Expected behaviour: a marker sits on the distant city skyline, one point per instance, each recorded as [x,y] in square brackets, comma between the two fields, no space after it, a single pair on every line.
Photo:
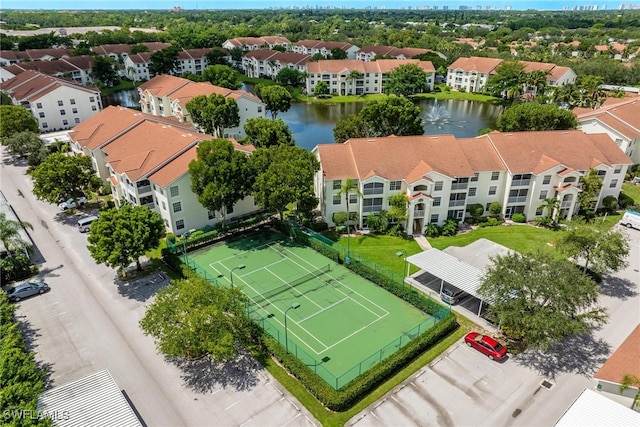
[315,4]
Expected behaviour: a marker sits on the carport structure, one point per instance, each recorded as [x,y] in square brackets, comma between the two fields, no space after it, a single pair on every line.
[451,270]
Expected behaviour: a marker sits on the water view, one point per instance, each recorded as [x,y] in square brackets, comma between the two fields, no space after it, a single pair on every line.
[313,124]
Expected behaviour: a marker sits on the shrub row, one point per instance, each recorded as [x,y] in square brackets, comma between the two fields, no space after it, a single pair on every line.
[347,396]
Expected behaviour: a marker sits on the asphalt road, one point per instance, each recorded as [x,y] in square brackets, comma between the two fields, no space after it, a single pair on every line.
[87,322]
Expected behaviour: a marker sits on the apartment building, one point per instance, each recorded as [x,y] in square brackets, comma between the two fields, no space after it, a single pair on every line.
[9,57]
[56,103]
[355,77]
[268,63]
[255,43]
[193,61]
[442,176]
[313,47]
[145,159]
[119,52]
[370,53]
[76,67]
[168,96]
[618,118]
[472,74]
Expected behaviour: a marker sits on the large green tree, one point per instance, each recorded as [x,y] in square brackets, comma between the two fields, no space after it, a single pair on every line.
[540,300]
[290,77]
[276,99]
[121,236]
[600,250]
[104,71]
[393,116]
[353,126]
[60,177]
[263,132]
[220,175]
[406,80]
[192,319]
[27,144]
[284,176]
[590,186]
[164,61]
[214,113]
[507,82]
[531,116]
[221,75]
[15,119]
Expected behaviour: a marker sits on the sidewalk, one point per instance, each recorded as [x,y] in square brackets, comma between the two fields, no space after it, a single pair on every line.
[422,241]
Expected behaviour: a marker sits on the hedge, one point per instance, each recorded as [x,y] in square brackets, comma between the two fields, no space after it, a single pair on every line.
[343,399]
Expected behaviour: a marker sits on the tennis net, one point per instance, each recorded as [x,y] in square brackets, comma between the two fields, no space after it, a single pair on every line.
[290,285]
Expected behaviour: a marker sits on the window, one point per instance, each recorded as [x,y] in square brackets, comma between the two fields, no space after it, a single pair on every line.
[92,99]
[65,123]
[211,214]
[486,207]
[472,191]
[94,108]
[395,185]
[74,110]
[353,198]
[457,199]
[39,105]
[492,190]
[543,195]
[177,207]
[475,177]
[618,169]
[613,183]
[434,218]
[45,126]
[41,115]
[438,186]
[337,199]
[337,184]
[546,180]
[495,176]
[77,120]
[62,112]
[539,211]
[437,201]
[175,191]
[60,103]
[164,206]
[372,205]
[259,109]
[373,188]
[72,101]
[180,224]
[230,210]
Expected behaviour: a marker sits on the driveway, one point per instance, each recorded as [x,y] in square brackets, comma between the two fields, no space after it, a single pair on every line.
[464,388]
[89,321]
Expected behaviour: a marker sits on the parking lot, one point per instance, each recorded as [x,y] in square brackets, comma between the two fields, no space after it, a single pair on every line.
[462,387]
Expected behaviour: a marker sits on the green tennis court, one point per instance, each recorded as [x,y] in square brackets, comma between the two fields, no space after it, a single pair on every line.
[332,319]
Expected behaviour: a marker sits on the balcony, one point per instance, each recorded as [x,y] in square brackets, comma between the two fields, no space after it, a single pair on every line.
[418,213]
[456,203]
[459,186]
[565,205]
[517,199]
[144,189]
[370,191]
[372,209]
[520,183]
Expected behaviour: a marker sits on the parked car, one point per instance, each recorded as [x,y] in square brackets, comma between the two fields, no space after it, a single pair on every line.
[452,295]
[27,289]
[486,345]
[71,203]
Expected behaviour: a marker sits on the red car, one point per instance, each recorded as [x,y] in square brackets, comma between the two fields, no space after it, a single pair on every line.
[486,345]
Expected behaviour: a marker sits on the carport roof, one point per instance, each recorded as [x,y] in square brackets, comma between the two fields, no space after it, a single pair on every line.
[450,269]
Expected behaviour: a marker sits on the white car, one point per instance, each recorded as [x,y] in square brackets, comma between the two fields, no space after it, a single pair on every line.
[71,203]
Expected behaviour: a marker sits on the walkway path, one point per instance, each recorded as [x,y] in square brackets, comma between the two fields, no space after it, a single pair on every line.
[422,241]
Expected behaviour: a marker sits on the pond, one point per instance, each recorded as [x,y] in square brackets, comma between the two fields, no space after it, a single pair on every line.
[313,124]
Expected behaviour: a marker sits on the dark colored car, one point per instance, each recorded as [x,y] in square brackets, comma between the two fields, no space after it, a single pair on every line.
[486,345]
[452,295]
[24,290]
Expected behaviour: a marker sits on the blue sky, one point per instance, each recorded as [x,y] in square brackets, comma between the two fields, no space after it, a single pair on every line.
[265,4]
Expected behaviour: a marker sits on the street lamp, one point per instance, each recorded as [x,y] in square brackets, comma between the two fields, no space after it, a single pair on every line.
[237,267]
[405,266]
[286,332]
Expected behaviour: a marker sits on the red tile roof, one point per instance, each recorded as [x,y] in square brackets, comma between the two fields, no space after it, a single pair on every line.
[32,85]
[337,66]
[475,63]
[625,360]
[623,115]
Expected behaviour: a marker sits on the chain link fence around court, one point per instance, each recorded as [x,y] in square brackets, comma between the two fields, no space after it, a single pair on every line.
[337,381]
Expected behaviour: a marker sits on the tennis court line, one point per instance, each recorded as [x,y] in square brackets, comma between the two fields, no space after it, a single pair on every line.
[323,309]
[356,332]
[349,287]
[295,289]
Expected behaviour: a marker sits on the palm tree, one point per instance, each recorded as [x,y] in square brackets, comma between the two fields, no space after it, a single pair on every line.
[551,205]
[629,380]
[353,76]
[348,187]
[10,234]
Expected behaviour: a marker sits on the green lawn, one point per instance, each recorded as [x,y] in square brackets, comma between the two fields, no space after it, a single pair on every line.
[459,95]
[340,99]
[382,249]
[632,191]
